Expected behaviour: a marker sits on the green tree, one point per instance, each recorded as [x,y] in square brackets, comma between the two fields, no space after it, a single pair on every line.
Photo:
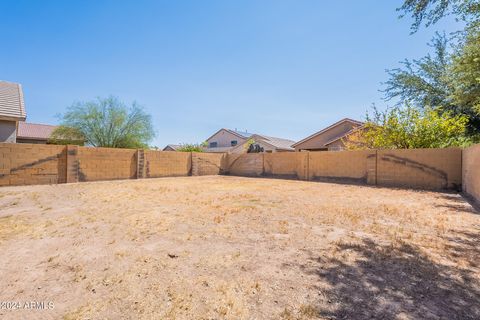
[429,12]
[409,127]
[465,73]
[423,82]
[192,147]
[107,122]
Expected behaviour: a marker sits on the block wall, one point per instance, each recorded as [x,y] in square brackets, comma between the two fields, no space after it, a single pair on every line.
[290,165]
[420,168]
[341,166]
[24,164]
[208,163]
[246,164]
[471,172]
[95,164]
[438,169]
[167,164]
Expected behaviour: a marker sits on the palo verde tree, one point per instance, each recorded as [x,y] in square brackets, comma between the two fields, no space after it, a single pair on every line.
[107,122]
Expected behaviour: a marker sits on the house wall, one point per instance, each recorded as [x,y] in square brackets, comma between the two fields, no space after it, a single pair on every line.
[8,131]
[319,141]
[224,138]
[471,172]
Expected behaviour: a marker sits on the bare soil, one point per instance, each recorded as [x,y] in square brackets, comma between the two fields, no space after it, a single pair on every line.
[237,248]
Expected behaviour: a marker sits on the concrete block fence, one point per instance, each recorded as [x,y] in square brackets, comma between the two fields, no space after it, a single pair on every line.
[435,169]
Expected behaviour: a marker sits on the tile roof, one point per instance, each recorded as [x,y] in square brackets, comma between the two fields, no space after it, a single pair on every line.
[12,106]
[279,143]
[34,131]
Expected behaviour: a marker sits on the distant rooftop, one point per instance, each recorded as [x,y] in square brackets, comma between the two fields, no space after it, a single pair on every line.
[34,131]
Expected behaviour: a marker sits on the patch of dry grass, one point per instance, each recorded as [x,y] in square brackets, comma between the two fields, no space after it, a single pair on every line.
[238,248]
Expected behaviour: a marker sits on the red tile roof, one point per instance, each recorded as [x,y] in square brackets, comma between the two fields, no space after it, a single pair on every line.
[34,130]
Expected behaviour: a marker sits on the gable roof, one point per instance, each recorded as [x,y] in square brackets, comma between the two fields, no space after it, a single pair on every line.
[240,134]
[34,131]
[344,135]
[12,106]
[354,122]
[172,146]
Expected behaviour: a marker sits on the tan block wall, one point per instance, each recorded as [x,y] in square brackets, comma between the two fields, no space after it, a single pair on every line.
[341,166]
[247,164]
[420,168]
[471,172]
[167,163]
[292,165]
[97,164]
[204,164]
[22,164]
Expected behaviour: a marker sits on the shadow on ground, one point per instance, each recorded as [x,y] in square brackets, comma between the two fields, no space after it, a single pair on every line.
[386,282]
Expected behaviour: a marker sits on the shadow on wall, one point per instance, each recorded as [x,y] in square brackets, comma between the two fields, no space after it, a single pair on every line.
[400,282]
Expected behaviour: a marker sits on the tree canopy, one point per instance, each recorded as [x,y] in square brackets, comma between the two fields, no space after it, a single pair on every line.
[107,122]
[408,127]
[429,12]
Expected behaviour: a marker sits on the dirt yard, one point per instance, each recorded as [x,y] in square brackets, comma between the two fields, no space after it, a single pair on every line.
[236,248]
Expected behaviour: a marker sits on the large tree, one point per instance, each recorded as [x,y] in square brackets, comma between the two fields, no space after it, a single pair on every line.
[107,122]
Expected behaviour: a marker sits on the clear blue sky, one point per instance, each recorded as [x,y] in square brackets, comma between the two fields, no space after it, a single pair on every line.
[281,68]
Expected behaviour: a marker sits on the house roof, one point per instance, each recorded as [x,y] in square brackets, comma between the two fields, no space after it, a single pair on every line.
[355,122]
[12,106]
[278,143]
[241,134]
[34,131]
[344,135]
[173,146]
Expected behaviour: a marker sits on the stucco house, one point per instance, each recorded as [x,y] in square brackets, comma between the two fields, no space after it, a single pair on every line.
[330,138]
[12,110]
[227,140]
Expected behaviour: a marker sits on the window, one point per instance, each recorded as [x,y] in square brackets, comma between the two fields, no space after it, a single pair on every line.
[213,145]
[233,143]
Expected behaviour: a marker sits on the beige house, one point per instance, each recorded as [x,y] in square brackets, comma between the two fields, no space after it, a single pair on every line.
[329,139]
[233,141]
[12,110]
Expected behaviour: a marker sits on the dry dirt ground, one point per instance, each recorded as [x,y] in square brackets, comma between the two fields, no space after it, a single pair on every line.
[237,248]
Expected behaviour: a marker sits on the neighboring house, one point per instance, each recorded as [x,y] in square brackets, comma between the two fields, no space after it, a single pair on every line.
[12,110]
[172,147]
[226,140]
[329,139]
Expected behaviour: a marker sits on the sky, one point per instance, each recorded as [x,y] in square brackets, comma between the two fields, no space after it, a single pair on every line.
[274,67]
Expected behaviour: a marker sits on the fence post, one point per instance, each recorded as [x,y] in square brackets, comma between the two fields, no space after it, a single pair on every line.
[72,164]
